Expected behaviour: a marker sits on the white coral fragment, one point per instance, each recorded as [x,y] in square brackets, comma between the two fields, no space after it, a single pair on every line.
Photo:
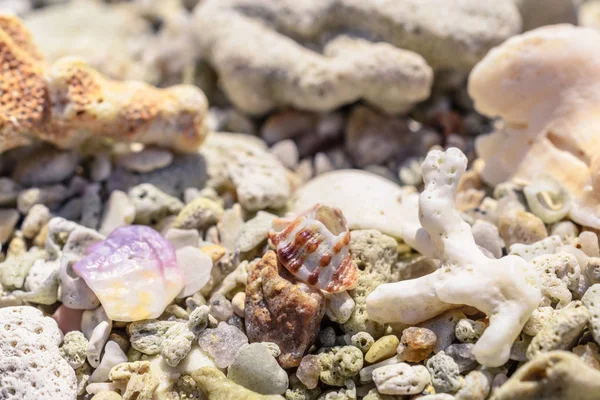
[544,84]
[505,289]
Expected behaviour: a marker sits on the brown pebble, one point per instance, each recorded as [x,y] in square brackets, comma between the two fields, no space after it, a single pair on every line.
[281,310]
[416,344]
[521,227]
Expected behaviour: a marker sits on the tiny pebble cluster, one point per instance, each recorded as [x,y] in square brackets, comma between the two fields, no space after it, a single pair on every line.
[384,201]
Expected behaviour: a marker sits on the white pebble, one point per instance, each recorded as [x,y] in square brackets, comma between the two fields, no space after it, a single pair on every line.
[401,379]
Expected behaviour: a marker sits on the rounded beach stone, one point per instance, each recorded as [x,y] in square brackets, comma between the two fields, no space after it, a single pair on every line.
[222,343]
[309,370]
[383,348]
[416,344]
[401,379]
[256,369]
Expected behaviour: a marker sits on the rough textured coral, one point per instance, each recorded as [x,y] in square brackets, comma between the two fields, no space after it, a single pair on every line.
[243,161]
[542,83]
[339,364]
[30,365]
[466,274]
[85,101]
[300,54]
[70,102]
[374,255]
[281,310]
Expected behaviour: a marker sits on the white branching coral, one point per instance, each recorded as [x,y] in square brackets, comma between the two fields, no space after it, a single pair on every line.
[544,85]
[505,289]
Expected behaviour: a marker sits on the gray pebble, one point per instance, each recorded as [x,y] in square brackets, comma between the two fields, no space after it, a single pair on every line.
[445,373]
[152,204]
[256,369]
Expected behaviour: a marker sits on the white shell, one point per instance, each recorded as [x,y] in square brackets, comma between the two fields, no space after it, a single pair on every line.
[367,201]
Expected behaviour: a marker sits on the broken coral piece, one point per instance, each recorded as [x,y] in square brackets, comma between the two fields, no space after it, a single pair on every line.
[314,247]
[69,102]
[505,289]
[545,85]
[320,54]
[244,163]
[133,272]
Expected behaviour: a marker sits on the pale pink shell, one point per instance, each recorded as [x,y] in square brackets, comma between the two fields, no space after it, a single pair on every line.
[133,272]
[314,247]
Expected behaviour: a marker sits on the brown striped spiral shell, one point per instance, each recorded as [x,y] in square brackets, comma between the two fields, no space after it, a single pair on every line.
[314,247]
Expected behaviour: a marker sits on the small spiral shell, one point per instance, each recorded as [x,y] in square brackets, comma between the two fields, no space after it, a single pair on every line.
[314,247]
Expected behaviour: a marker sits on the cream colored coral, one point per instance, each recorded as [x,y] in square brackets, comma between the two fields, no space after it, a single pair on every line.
[69,102]
[320,54]
[545,84]
[506,289]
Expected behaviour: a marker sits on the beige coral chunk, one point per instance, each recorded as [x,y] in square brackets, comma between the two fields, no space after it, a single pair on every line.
[544,84]
[244,163]
[84,100]
[267,69]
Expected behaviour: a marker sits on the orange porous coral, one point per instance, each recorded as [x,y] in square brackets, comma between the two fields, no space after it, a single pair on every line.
[69,102]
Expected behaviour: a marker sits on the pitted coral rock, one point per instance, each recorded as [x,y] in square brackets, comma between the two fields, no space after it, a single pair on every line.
[278,66]
[506,289]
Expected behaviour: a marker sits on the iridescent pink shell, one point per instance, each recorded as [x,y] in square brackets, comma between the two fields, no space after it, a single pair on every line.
[133,272]
[314,247]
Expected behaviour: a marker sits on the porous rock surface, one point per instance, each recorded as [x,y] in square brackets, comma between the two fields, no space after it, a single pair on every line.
[31,367]
[318,55]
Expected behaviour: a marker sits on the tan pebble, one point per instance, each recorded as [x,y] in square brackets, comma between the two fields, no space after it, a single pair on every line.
[416,344]
[589,354]
[16,247]
[106,395]
[238,304]
[383,348]
[40,238]
[214,251]
[521,227]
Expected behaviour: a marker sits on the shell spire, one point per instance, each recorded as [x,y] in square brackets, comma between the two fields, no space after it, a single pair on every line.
[313,246]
